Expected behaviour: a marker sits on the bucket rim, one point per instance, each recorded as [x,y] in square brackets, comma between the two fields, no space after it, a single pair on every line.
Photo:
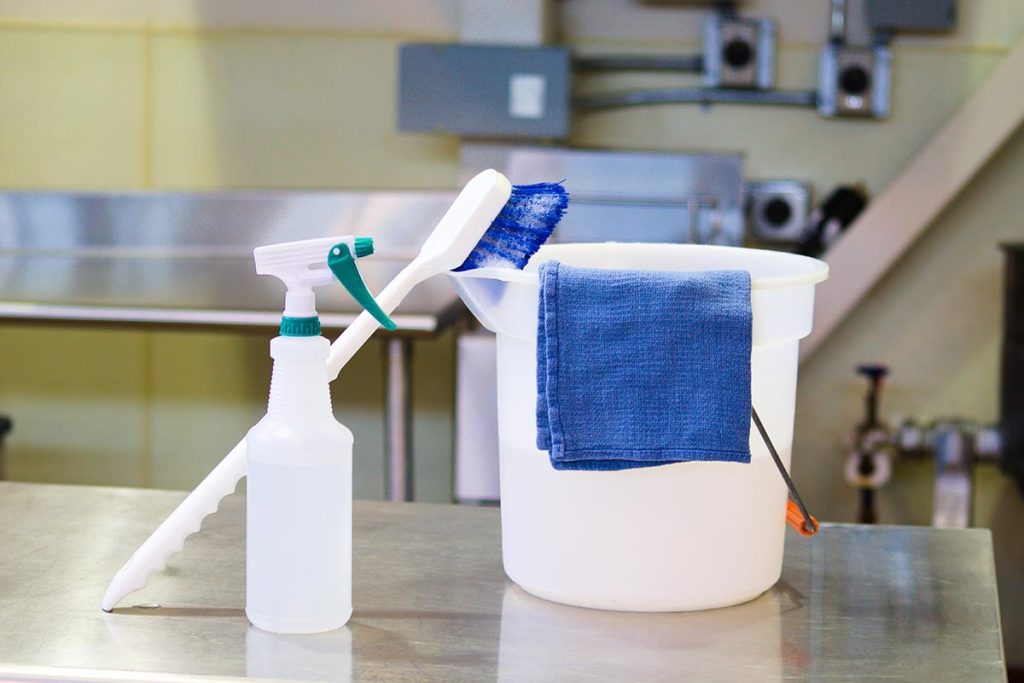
[813,270]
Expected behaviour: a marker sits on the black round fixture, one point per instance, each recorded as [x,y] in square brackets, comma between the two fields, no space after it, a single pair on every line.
[854,80]
[738,53]
[777,212]
[866,467]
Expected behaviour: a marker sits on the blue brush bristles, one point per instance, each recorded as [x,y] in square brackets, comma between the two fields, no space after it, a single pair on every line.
[522,226]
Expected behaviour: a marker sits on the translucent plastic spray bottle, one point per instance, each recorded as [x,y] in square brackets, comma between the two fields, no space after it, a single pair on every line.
[299,491]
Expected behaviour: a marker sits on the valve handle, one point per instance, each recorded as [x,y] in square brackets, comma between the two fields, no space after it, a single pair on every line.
[873,371]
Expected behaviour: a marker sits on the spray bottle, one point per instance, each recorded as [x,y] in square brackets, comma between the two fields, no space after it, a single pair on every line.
[299,499]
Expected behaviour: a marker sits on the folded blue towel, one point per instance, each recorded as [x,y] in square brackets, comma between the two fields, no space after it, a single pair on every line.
[642,368]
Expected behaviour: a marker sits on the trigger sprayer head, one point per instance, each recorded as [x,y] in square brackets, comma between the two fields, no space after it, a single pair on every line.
[305,264]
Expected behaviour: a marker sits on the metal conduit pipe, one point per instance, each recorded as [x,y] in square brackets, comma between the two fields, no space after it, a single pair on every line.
[705,96]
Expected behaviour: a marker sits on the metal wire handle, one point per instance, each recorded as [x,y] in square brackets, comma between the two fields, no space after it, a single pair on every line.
[809,525]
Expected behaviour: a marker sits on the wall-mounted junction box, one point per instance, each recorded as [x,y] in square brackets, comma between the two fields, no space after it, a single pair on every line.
[777,209]
[854,81]
[911,15]
[484,91]
[739,53]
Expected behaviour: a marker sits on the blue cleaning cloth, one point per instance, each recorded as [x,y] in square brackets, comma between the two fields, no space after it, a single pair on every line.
[642,368]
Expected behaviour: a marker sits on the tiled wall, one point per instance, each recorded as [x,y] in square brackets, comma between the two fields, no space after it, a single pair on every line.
[73,112]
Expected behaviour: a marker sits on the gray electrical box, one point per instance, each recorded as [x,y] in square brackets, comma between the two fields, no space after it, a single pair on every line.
[911,15]
[484,91]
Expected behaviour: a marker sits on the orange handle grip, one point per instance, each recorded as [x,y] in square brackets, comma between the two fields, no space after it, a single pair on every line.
[795,519]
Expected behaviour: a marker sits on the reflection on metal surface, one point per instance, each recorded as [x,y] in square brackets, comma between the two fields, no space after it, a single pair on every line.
[150,257]
[539,638]
[432,603]
[310,657]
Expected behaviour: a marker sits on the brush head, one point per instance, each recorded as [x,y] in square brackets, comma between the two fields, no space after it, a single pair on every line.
[520,228]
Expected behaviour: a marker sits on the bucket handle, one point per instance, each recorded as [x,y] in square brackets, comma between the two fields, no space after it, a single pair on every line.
[797,515]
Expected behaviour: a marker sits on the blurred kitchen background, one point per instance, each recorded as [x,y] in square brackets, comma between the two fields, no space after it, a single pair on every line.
[167,95]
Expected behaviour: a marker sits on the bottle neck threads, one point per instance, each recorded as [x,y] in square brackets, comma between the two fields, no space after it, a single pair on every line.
[299,389]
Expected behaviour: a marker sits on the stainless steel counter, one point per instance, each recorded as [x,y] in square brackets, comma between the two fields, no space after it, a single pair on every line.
[432,603]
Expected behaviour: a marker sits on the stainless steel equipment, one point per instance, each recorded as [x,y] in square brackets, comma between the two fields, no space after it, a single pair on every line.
[186,259]
[432,603]
[630,196]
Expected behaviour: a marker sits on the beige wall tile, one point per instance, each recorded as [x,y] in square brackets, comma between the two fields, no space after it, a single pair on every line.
[274,111]
[358,399]
[77,398]
[72,112]
[434,428]
[76,12]
[208,388]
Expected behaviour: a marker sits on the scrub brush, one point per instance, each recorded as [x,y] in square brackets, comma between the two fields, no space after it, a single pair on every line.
[490,223]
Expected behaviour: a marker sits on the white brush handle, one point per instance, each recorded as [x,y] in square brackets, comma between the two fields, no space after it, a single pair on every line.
[363,327]
[170,536]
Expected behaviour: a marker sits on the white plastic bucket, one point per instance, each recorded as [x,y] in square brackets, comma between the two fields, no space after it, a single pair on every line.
[685,536]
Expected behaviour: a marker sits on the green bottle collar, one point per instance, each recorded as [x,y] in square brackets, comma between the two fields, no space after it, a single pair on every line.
[300,327]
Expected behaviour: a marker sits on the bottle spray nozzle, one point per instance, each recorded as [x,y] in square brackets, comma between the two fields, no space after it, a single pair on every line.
[363,246]
[306,264]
